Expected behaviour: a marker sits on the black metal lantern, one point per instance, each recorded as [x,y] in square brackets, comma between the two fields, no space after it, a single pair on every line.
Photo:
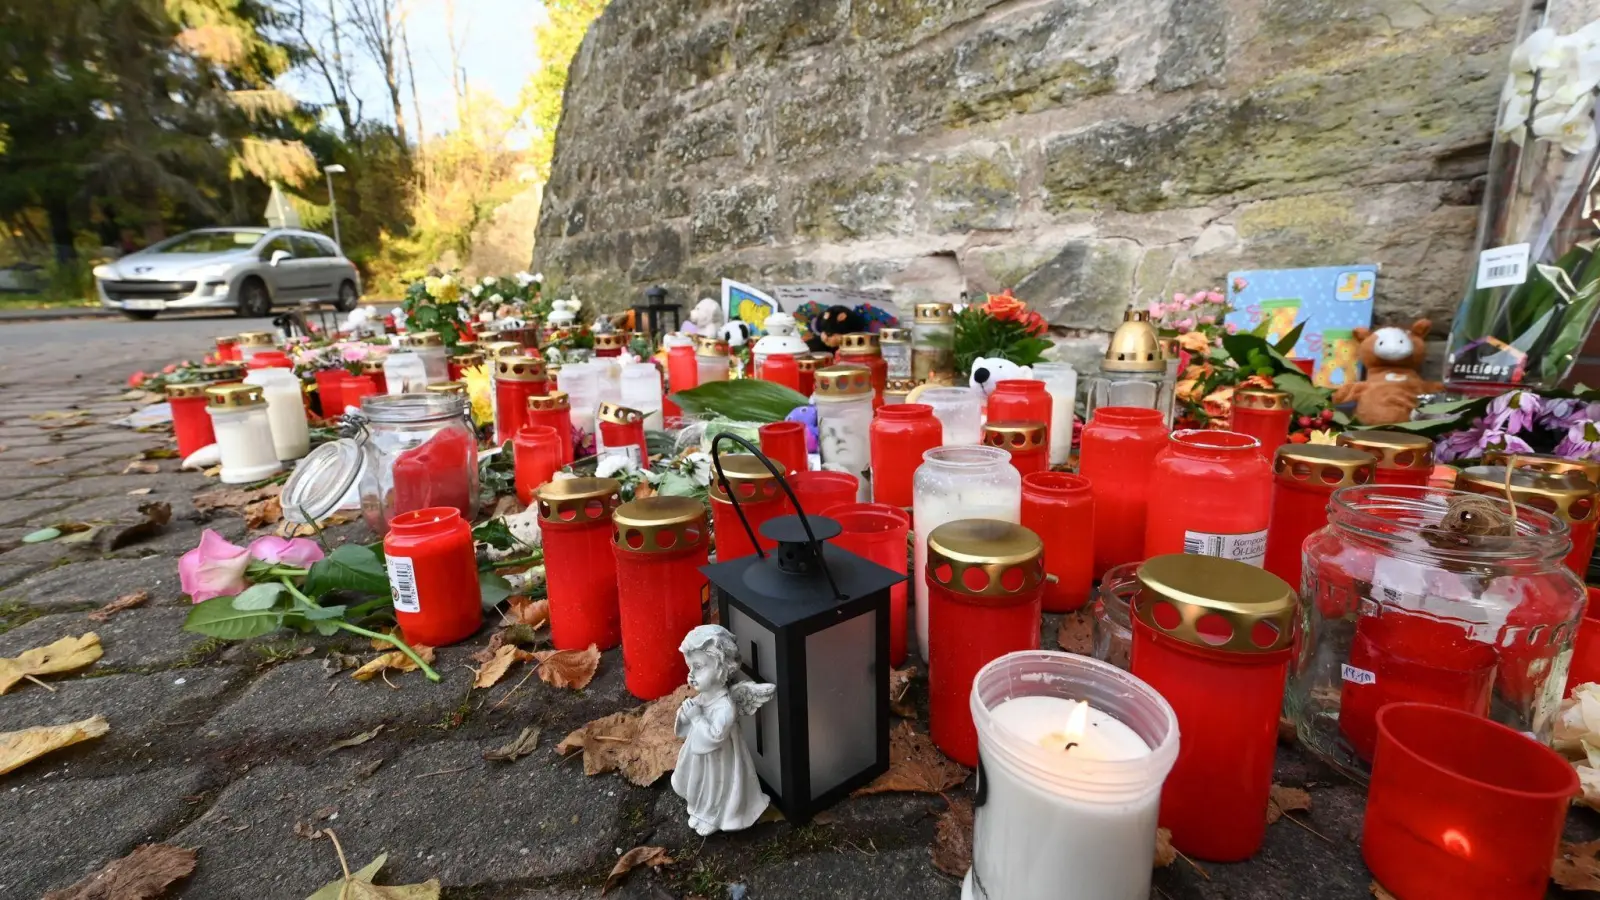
[647,316]
[813,619]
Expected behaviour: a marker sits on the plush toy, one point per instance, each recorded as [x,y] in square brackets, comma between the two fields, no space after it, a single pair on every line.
[1392,358]
[736,333]
[807,416]
[987,372]
[829,328]
[704,318]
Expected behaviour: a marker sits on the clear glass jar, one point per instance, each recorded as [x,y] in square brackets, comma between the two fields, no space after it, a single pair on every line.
[933,335]
[404,372]
[1061,380]
[420,451]
[429,347]
[1113,629]
[244,435]
[958,483]
[581,382]
[893,343]
[641,390]
[711,360]
[959,410]
[1398,608]
[844,422]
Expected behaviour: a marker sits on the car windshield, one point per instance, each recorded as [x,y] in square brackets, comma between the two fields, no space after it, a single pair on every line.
[209,242]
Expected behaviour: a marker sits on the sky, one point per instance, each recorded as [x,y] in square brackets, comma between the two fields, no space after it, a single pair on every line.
[497,50]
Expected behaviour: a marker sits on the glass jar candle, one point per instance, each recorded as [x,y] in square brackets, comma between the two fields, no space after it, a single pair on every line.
[1403,457]
[1117,454]
[1568,496]
[806,368]
[244,436]
[421,452]
[429,347]
[660,545]
[1134,370]
[641,390]
[899,436]
[552,411]
[1404,602]
[1113,615]
[622,433]
[895,346]
[433,573]
[252,342]
[985,584]
[286,411]
[711,360]
[405,373]
[1059,508]
[844,421]
[228,348]
[1304,479]
[682,371]
[785,444]
[933,335]
[1025,441]
[1020,400]
[191,418]
[1214,636]
[1061,382]
[957,483]
[861,349]
[878,532]
[516,378]
[1210,494]
[330,391]
[781,368]
[898,391]
[1074,754]
[373,368]
[959,411]
[575,521]
[536,457]
[607,346]
[1264,415]
[581,381]
[760,498]
[819,490]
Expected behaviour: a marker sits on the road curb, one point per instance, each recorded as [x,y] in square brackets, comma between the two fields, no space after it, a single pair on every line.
[45,314]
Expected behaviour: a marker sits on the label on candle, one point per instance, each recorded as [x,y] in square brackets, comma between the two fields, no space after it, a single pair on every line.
[1246,548]
[1357,676]
[403,581]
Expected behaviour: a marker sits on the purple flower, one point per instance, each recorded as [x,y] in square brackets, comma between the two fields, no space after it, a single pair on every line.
[1497,439]
[1556,413]
[1513,411]
[1581,442]
[1458,444]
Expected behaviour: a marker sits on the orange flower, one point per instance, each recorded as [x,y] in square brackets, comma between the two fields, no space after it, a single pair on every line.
[1188,390]
[1257,381]
[1218,403]
[1194,342]
[1004,306]
[1194,373]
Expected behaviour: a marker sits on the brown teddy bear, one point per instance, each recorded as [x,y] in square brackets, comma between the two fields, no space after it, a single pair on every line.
[1392,358]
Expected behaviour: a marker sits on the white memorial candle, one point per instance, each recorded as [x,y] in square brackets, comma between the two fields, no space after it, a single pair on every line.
[1061,380]
[958,483]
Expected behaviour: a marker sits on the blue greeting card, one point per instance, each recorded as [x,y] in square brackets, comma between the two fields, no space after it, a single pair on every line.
[1332,301]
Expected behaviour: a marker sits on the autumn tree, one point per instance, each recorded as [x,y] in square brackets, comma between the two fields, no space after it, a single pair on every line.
[557,41]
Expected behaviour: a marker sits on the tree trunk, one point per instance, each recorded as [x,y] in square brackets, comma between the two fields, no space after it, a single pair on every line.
[61,232]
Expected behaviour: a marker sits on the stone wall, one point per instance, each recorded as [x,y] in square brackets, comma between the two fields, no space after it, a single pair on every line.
[1088,153]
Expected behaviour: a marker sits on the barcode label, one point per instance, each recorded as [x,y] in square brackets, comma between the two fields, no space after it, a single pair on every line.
[1356,676]
[1501,266]
[403,581]
[1249,548]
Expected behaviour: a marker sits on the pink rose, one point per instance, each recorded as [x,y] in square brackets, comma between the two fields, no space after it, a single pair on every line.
[213,569]
[297,552]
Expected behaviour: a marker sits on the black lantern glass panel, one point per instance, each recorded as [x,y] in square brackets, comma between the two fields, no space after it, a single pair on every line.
[648,316]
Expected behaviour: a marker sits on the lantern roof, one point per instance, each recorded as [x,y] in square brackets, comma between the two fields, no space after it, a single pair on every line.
[778,599]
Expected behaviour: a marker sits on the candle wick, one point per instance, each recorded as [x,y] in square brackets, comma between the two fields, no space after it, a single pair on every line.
[1069,746]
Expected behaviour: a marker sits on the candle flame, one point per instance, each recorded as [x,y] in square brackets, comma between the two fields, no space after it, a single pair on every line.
[1078,720]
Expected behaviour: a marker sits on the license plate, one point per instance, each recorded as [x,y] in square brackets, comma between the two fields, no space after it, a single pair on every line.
[144,304]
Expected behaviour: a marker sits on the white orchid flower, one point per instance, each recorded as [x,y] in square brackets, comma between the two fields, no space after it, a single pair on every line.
[1514,117]
[1572,127]
[1524,58]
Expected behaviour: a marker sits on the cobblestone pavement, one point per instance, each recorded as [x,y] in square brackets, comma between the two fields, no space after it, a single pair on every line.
[225,747]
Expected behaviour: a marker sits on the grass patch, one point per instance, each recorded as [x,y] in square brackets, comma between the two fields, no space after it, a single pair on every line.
[707,879]
[201,653]
[44,301]
[13,614]
[274,652]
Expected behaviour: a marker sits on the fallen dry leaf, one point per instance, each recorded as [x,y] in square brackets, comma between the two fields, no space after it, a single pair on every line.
[633,859]
[18,748]
[56,414]
[1281,800]
[1577,868]
[952,838]
[915,765]
[568,668]
[126,601]
[1075,634]
[899,689]
[1166,854]
[264,512]
[357,740]
[496,666]
[45,460]
[141,467]
[639,742]
[393,661]
[140,492]
[62,656]
[533,613]
[233,498]
[160,453]
[143,874]
[1286,730]
[1378,893]
[507,503]
[156,516]
[520,746]
[358,885]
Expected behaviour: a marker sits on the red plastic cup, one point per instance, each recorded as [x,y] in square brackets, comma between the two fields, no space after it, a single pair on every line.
[817,491]
[785,444]
[330,388]
[1461,807]
[877,531]
[536,455]
[433,571]
[1059,508]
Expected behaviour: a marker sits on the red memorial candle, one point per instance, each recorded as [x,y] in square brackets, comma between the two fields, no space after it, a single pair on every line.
[760,498]
[611,345]
[900,434]
[373,368]
[1403,457]
[536,458]
[1586,647]
[985,584]
[1020,400]
[683,371]
[433,572]
[354,387]
[442,471]
[554,411]
[270,359]
[622,431]
[785,444]
[463,361]
[580,565]
[1304,478]
[1264,415]
[330,391]
[877,532]
[660,546]
[861,348]
[228,349]
[1117,455]
[191,424]
[1213,636]
[1210,494]
[808,366]
[819,490]
[1462,808]
[1059,508]
[516,378]
[1569,496]
[781,368]
[1027,442]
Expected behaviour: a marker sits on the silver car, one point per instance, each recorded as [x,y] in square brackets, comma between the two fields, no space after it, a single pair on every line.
[249,270]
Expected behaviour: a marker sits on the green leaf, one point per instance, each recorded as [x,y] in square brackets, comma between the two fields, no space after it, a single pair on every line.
[258,597]
[493,588]
[676,484]
[217,618]
[1306,398]
[496,533]
[1285,345]
[744,400]
[350,567]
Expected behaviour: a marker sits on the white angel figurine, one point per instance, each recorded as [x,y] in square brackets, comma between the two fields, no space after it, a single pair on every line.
[715,772]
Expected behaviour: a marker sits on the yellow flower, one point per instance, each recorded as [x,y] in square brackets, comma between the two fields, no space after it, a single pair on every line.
[1323,437]
[480,393]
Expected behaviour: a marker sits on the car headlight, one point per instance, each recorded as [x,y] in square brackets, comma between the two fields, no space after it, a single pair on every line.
[104,273]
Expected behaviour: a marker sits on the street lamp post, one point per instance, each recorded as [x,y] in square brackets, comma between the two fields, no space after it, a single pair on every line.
[331,171]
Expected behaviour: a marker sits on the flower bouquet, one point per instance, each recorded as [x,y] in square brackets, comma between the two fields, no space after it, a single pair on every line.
[1000,326]
[1523,422]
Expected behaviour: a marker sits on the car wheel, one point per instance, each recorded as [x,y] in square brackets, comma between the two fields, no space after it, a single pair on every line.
[254,301]
[139,315]
[348,298]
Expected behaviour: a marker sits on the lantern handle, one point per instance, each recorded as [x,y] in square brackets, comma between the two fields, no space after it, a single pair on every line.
[716,468]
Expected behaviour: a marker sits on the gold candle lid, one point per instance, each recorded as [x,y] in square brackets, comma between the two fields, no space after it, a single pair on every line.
[933,314]
[748,477]
[257,339]
[805,362]
[892,335]
[1568,496]
[1393,449]
[497,349]
[467,346]
[1135,346]
[468,360]
[1017,437]
[1261,398]
[422,339]
[843,380]
[224,372]
[574,500]
[488,336]
[186,390]
[1544,462]
[234,396]
[860,343]
[617,414]
[555,400]
[513,367]
[660,525]
[985,558]
[900,386]
[709,346]
[1323,466]
[615,340]
[226,340]
[1219,604]
[372,367]
[1170,348]
[448,387]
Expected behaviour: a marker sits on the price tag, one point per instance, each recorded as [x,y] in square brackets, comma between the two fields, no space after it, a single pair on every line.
[1500,266]
[403,581]
[1357,676]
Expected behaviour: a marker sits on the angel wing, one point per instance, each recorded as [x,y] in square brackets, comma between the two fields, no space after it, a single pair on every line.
[749,696]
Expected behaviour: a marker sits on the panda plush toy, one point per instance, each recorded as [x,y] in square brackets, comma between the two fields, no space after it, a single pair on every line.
[988,372]
[736,333]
